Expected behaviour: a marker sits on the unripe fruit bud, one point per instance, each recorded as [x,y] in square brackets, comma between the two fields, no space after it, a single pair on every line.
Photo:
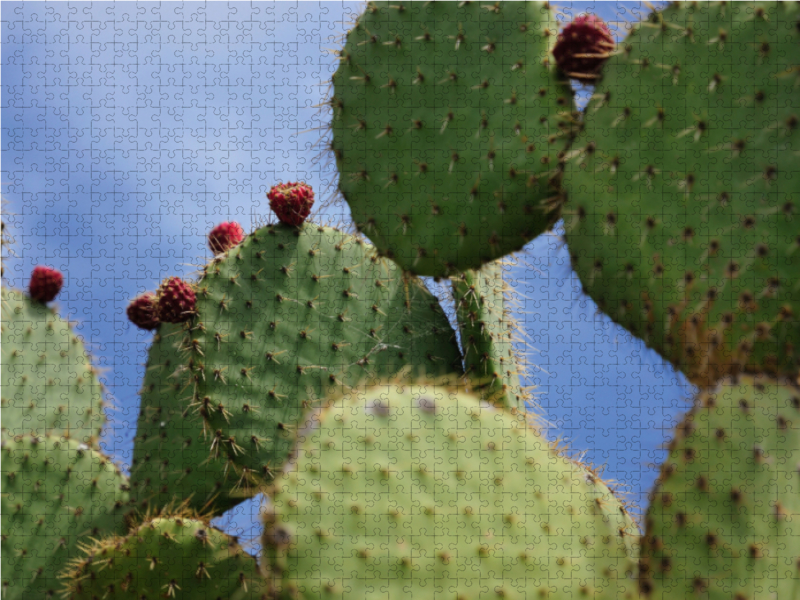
[291,202]
[225,236]
[45,284]
[142,311]
[176,301]
[582,48]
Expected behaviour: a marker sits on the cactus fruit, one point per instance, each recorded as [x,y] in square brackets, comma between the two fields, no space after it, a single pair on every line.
[172,556]
[142,311]
[45,284]
[286,316]
[724,519]
[176,301]
[49,385]
[225,236]
[682,211]
[487,329]
[57,494]
[406,491]
[449,163]
[582,48]
[291,202]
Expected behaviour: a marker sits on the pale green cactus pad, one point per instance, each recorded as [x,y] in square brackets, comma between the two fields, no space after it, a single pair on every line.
[420,491]
[166,557]
[57,495]
[282,320]
[487,331]
[724,519]
[682,217]
[48,383]
[448,124]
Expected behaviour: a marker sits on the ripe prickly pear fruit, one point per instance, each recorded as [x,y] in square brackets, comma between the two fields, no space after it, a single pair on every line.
[176,301]
[291,202]
[45,284]
[142,311]
[582,48]
[225,236]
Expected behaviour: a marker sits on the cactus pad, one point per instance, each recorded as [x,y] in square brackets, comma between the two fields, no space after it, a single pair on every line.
[487,329]
[282,319]
[57,494]
[448,124]
[48,382]
[683,203]
[724,519]
[166,557]
[426,492]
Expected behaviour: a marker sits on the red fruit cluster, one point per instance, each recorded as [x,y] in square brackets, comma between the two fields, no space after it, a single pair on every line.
[45,284]
[582,48]
[176,301]
[292,202]
[225,236]
[142,311]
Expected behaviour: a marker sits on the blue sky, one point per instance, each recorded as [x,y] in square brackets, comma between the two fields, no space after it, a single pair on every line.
[130,129]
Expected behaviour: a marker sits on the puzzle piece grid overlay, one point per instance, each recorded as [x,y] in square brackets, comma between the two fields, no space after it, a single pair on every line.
[130,129]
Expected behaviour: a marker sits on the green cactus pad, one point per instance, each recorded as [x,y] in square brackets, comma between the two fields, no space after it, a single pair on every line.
[48,383]
[282,319]
[487,331]
[682,218]
[166,557]
[422,491]
[57,495]
[724,519]
[448,124]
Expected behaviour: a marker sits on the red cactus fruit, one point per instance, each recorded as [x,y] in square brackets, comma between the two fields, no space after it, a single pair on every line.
[45,284]
[225,236]
[292,202]
[582,48]
[142,311]
[176,301]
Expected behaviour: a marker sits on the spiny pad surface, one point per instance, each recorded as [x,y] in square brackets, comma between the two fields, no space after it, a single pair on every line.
[447,126]
[166,557]
[682,218]
[286,317]
[57,494]
[48,382]
[486,328]
[724,519]
[425,492]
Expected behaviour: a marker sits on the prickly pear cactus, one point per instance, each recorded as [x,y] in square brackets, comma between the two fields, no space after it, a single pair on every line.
[724,521]
[166,557]
[57,495]
[447,126]
[48,382]
[418,491]
[683,207]
[282,319]
[487,331]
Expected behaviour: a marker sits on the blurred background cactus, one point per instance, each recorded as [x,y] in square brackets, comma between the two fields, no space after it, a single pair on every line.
[386,424]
